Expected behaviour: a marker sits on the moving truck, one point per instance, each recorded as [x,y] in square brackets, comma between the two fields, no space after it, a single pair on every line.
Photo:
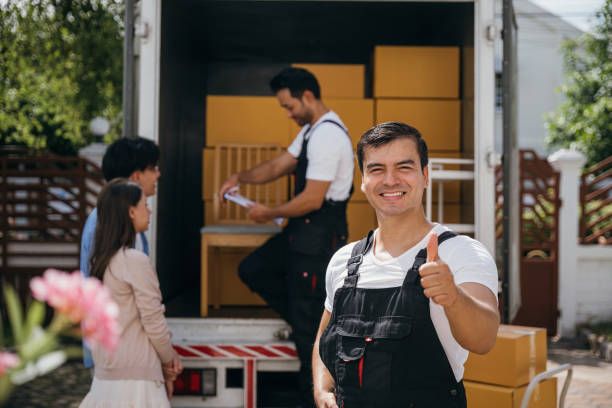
[428,63]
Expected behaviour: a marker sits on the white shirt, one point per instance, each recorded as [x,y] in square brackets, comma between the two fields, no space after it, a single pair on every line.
[330,155]
[468,260]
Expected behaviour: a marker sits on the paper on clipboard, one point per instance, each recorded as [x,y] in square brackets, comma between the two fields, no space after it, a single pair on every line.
[243,201]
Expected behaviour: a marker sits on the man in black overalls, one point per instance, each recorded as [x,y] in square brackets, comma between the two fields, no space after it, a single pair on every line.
[396,328]
[288,271]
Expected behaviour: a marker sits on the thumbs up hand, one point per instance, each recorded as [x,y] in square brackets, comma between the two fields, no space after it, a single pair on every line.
[436,278]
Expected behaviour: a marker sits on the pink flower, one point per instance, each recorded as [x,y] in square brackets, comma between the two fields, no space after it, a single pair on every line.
[83,300]
[7,360]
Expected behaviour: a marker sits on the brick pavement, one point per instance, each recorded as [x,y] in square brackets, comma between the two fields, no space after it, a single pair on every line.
[591,384]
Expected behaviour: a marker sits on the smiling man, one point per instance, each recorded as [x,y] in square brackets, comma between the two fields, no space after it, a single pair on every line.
[288,271]
[407,303]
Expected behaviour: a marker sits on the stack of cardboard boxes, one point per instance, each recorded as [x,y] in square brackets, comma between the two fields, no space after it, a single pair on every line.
[343,91]
[256,119]
[500,378]
[415,85]
[420,86]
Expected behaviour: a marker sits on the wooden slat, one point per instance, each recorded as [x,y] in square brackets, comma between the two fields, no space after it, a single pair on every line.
[598,166]
[233,157]
[593,226]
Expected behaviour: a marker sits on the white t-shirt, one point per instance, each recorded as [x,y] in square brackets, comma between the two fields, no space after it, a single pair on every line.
[468,260]
[330,155]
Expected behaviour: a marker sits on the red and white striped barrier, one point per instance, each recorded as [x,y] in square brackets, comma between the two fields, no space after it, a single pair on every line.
[237,351]
[248,353]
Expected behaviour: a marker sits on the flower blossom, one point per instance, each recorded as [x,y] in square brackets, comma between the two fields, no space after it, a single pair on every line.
[83,300]
[7,360]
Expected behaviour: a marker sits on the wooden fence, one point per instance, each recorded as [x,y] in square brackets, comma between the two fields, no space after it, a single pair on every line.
[44,202]
[596,204]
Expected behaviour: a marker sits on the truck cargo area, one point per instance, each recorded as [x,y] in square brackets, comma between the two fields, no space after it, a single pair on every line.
[233,48]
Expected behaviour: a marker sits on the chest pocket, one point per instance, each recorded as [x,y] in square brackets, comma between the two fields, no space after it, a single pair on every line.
[366,350]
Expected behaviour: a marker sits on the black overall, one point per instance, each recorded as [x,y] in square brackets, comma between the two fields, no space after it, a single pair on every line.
[381,346]
[288,271]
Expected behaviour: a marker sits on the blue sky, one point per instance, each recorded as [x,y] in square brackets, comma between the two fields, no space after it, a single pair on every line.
[576,12]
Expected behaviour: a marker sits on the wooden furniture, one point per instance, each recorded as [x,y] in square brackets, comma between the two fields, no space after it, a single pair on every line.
[229,225]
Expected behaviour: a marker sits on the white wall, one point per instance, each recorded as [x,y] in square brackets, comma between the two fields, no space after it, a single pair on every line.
[585,271]
[540,71]
[594,284]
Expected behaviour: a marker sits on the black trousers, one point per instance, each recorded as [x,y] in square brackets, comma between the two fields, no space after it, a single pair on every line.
[293,284]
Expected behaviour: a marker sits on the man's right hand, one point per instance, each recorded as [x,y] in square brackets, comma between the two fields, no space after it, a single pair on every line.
[326,400]
[231,182]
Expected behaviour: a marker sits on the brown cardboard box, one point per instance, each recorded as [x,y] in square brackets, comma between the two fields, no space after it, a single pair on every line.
[356,114]
[451,213]
[358,195]
[519,355]
[245,119]
[338,81]
[481,395]
[224,284]
[416,72]
[438,121]
[361,219]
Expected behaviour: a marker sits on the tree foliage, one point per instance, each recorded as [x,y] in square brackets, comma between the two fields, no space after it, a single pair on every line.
[584,121]
[60,66]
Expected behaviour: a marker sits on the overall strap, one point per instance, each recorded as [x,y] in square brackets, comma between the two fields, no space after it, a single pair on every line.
[325,121]
[304,150]
[413,273]
[354,262]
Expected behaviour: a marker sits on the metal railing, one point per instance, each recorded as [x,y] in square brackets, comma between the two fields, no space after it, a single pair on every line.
[439,174]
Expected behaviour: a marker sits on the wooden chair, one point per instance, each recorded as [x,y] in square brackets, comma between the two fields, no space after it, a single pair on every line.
[230,226]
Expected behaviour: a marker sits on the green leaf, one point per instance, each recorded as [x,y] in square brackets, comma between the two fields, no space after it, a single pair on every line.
[73,351]
[15,313]
[34,317]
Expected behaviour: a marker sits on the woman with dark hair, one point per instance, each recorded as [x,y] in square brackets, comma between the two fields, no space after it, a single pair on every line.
[144,361]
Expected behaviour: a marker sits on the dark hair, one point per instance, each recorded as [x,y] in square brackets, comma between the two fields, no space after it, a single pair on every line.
[297,80]
[384,133]
[128,154]
[115,228]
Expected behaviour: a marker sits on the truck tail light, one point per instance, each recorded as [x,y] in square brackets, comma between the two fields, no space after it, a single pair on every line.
[197,381]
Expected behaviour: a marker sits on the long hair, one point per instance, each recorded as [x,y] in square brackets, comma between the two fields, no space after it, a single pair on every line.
[115,228]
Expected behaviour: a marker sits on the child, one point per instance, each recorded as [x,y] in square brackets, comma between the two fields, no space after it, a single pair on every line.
[133,375]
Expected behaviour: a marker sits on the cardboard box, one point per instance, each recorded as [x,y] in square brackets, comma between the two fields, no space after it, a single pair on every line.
[358,195]
[361,218]
[338,81]
[519,355]
[451,213]
[438,121]
[224,284]
[356,114]
[488,396]
[245,119]
[416,72]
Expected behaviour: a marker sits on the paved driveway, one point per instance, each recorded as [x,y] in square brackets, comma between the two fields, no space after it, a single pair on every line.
[591,384]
